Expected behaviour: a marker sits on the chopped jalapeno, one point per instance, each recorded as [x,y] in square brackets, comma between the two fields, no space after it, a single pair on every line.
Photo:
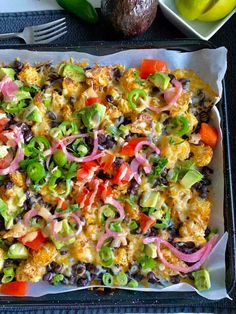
[107,279]
[134,95]
[8,274]
[107,256]
[36,172]
[121,279]
[60,158]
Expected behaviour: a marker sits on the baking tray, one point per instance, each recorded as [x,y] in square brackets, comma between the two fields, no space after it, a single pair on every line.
[117,298]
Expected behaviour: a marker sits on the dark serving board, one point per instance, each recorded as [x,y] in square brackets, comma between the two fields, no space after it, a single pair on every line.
[117,299]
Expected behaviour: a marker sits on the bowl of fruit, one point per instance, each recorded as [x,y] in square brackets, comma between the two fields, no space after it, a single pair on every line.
[198,18]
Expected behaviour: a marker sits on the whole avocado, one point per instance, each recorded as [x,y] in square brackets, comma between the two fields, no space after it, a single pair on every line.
[129,17]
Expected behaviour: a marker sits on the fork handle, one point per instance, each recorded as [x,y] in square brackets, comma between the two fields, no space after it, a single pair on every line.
[9,35]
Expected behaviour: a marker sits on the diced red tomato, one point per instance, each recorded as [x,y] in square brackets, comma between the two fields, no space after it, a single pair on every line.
[150,66]
[106,162]
[208,134]
[82,174]
[16,288]
[91,165]
[104,190]
[37,242]
[92,100]
[3,123]
[128,149]
[123,174]
[83,196]
[146,222]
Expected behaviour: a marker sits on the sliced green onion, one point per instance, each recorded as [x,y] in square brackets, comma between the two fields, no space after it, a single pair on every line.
[107,279]
[133,283]
[36,171]
[107,256]
[59,158]
[121,279]
[133,225]
[56,133]
[9,274]
[115,226]
[179,125]
[146,262]
[57,279]
[70,209]
[134,95]
[68,128]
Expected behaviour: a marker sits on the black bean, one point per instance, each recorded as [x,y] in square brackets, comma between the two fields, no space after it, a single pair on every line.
[207,231]
[188,244]
[9,185]
[117,73]
[82,282]
[104,176]
[155,90]
[204,116]
[48,276]
[51,115]
[175,279]
[87,68]
[185,83]
[133,188]
[53,265]
[120,120]
[206,171]
[151,277]
[172,77]
[54,124]
[63,251]
[119,161]
[109,98]
[17,65]
[72,280]
[110,142]
[201,95]
[134,269]
[138,276]
[101,139]
[127,120]
[58,268]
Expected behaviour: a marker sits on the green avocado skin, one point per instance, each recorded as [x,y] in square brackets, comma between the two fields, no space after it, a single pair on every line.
[130,17]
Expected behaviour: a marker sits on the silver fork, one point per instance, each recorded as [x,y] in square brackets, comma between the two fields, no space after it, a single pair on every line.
[40,34]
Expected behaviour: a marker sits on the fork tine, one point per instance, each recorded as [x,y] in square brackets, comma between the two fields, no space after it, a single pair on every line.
[49,35]
[46,25]
[47,41]
[39,33]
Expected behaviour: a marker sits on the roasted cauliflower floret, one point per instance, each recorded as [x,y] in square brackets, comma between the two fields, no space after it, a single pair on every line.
[30,76]
[202,154]
[71,88]
[135,247]
[121,258]
[197,219]
[99,76]
[182,105]
[34,267]
[178,201]
[128,80]
[143,125]
[173,148]
[163,271]
[18,178]
[84,249]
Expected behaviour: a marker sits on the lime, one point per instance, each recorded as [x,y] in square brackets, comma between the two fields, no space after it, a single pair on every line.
[218,10]
[192,9]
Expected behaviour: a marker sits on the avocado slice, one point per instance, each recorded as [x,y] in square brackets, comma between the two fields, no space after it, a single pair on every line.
[34,115]
[7,72]
[202,280]
[72,71]
[160,80]
[17,250]
[190,178]
[92,116]
[66,231]
[150,250]
[150,199]
[21,95]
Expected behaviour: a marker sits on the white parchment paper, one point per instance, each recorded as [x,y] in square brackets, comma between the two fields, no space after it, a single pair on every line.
[210,64]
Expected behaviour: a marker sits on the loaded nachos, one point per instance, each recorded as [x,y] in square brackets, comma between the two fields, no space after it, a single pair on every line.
[104,176]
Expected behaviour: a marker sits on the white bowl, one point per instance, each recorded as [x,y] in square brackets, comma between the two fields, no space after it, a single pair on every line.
[204,30]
